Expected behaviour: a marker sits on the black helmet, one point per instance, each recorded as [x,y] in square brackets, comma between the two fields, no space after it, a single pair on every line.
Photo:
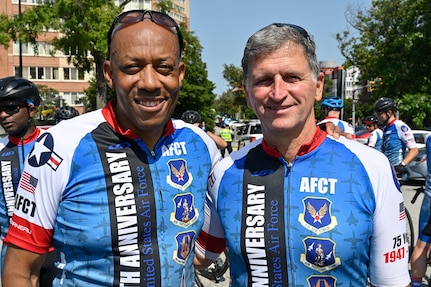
[65,113]
[384,104]
[370,120]
[191,117]
[14,88]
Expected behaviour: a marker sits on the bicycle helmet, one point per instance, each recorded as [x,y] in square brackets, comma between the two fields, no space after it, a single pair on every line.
[370,120]
[14,88]
[335,103]
[191,117]
[65,113]
[384,104]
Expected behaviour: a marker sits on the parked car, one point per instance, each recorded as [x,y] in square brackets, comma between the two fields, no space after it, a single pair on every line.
[252,132]
[421,137]
[417,169]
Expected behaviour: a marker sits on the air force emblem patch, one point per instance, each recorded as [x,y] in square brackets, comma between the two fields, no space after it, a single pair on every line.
[184,246]
[321,281]
[185,212]
[43,153]
[319,254]
[317,215]
[178,177]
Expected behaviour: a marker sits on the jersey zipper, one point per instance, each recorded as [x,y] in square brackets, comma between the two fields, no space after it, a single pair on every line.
[290,276]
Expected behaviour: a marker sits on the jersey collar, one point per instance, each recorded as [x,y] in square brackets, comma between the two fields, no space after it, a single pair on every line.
[318,138]
[30,138]
[109,114]
[390,123]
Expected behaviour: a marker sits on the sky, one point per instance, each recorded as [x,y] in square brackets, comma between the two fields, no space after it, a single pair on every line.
[223,27]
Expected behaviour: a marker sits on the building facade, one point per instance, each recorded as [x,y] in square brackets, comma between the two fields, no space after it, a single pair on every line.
[54,71]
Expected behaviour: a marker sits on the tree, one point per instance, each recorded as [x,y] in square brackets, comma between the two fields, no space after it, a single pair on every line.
[233,101]
[393,45]
[82,25]
[196,92]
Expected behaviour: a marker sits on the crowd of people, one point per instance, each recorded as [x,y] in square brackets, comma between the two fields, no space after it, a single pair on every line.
[128,196]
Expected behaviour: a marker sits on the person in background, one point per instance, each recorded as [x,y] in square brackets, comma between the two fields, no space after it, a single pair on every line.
[227,135]
[331,107]
[397,137]
[299,207]
[422,248]
[194,118]
[65,113]
[376,134]
[19,99]
[118,192]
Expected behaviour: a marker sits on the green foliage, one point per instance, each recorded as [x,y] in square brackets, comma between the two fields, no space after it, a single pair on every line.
[196,92]
[415,109]
[392,44]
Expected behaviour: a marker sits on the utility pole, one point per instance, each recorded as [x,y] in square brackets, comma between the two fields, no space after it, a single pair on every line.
[354,104]
[19,41]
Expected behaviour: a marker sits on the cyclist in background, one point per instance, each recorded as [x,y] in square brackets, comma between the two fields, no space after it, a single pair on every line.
[194,118]
[19,99]
[65,113]
[331,107]
[397,137]
[423,245]
[375,139]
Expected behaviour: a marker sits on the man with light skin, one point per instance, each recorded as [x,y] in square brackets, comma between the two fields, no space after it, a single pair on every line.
[276,202]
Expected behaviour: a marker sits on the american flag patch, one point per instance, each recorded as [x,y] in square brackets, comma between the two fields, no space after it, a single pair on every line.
[402,211]
[28,182]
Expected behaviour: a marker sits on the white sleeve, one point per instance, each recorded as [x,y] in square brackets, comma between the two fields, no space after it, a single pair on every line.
[389,247]
[372,139]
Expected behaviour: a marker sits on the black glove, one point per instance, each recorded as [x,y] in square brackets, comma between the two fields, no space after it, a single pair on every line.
[400,170]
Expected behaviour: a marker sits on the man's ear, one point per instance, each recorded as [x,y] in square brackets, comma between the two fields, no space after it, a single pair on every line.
[107,72]
[32,111]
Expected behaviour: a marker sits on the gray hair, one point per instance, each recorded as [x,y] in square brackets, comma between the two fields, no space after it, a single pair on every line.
[272,37]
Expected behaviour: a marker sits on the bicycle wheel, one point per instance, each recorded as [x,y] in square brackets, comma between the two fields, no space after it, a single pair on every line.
[410,232]
[215,272]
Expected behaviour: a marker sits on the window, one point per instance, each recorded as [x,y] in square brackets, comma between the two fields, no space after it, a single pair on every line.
[66,73]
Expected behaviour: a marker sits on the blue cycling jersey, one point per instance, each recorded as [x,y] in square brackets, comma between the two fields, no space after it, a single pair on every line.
[397,137]
[117,213]
[12,154]
[333,217]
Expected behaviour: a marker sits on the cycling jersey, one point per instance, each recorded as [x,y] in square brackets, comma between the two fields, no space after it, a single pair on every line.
[425,212]
[13,151]
[375,139]
[117,213]
[331,218]
[345,126]
[428,177]
[397,137]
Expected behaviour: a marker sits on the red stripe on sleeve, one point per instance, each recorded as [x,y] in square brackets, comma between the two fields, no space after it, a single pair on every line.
[29,236]
[211,243]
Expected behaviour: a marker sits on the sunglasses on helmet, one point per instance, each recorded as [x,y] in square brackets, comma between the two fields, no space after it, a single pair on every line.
[135,16]
[299,29]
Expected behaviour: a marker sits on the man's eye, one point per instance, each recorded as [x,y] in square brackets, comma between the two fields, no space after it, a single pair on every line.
[165,69]
[263,82]
[131,69]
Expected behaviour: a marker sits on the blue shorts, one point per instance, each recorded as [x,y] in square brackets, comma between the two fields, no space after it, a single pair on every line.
[424,218]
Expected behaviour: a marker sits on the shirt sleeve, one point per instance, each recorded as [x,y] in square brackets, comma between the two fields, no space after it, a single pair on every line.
[389,251]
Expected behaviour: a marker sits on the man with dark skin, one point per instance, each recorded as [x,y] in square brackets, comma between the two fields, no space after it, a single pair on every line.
[129,167]
[19,99]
